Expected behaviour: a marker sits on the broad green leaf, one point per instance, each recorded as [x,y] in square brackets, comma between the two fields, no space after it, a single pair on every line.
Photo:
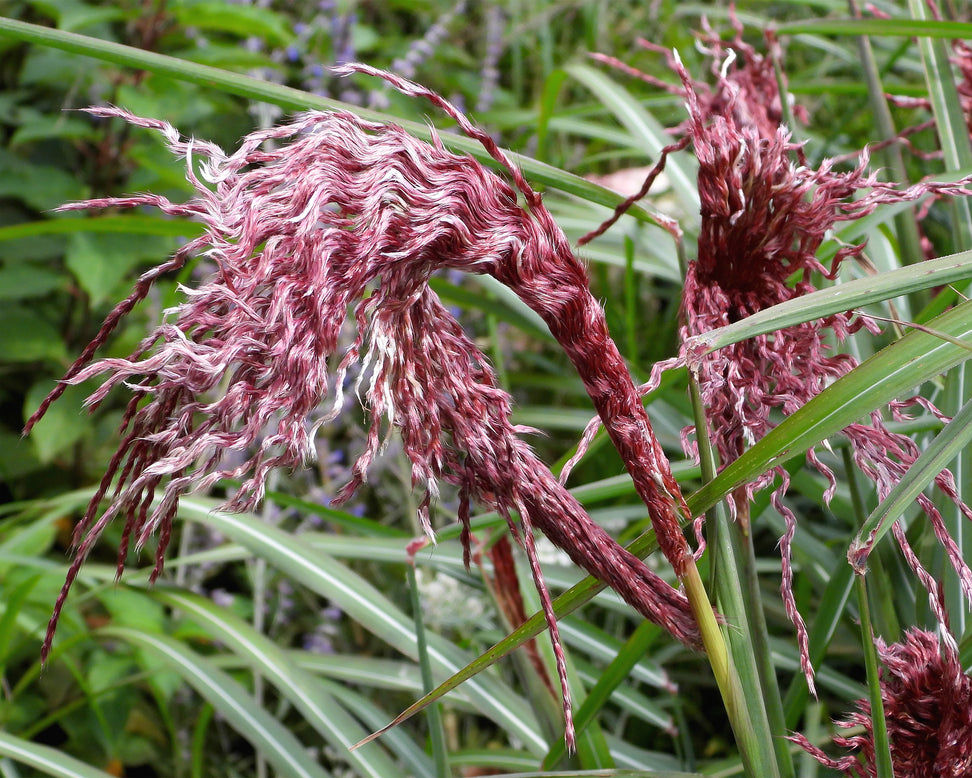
[39,186]
[76,15]
[14,598]
[17,457]
[27,336]
[280,748]
[64,423]
[45,126]
[242,20]
[23,281]
[102,261]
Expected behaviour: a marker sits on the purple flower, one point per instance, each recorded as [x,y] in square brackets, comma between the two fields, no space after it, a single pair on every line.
[423,48]
[343,214]
[928,710]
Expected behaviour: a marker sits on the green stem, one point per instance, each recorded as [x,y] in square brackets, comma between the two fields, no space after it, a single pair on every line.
[436,731]
[631,318]
[735,666]
[879,731]
[745,555]
[906,227]
[882,744]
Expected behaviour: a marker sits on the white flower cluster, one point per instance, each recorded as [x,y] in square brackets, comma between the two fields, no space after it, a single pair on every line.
[449,604]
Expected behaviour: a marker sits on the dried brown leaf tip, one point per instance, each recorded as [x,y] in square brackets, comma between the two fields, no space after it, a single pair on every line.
[338,215]
[928,709]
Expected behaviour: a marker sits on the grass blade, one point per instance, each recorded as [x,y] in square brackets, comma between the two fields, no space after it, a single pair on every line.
[890,373]
[839,298]
[325,713]
[907,28]
[879,727]
[369,607]
[278,746]
[49,761]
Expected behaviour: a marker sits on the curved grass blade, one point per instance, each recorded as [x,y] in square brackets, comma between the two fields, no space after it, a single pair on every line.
[622,773]
[138,225]
[839,298]
[47,760]
[280,748]
[890,373]
[295,100]
[322,711]
[907,28]
[368,607]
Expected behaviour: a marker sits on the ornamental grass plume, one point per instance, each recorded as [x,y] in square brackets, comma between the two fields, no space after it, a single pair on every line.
[928,709]
[344,214]
[765,214]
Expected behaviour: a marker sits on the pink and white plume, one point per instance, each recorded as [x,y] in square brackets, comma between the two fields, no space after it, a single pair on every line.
[927,703]
[345,215]
[765,213]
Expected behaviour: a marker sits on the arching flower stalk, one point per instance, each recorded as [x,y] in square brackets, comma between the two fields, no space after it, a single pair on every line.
[300,233]
[928,709]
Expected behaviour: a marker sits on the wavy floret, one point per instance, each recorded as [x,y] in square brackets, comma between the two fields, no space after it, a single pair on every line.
[765,215]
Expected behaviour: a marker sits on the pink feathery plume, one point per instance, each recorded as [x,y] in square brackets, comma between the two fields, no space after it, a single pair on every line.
[963,62]
[928,710]
[547,276]
[764,217]
[765,214]
[746,87]
[300,234]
